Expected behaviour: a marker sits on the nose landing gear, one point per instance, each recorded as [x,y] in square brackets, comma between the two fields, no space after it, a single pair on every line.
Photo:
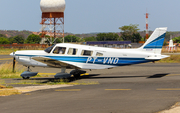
[27,74]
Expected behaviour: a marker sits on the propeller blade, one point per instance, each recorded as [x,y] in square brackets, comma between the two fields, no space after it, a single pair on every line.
[14,63]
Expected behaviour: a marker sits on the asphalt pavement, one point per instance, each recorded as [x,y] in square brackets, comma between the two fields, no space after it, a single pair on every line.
[143,88]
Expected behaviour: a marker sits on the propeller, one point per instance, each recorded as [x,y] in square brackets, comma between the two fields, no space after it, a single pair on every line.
[14,62]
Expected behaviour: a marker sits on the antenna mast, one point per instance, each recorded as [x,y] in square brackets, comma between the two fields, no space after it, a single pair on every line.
[147,25]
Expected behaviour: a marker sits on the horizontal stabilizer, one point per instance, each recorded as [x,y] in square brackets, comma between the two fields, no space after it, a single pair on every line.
[156,57]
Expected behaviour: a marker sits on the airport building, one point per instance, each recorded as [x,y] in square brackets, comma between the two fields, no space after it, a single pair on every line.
[110,44]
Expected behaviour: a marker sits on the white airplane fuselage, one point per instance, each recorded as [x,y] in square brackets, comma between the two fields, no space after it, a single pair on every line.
[111,57]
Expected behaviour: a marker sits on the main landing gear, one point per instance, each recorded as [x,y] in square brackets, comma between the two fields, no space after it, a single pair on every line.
[76,73]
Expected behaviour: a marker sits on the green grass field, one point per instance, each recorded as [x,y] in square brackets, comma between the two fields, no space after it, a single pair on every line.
[171,59]
[7,51]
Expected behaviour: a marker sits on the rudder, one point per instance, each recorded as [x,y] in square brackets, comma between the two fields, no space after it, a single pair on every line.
[155,41]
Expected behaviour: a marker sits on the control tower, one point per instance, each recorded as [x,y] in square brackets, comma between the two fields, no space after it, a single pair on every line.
[52,19]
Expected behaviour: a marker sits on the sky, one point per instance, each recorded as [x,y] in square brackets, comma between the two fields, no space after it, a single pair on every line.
[91,16]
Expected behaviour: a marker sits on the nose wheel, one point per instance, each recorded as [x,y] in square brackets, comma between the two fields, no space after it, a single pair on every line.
[26,78]
[27,74]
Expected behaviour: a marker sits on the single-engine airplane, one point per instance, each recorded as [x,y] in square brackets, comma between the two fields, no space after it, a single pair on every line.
[77,57]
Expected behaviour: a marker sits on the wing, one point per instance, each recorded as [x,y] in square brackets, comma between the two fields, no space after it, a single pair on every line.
[55,63]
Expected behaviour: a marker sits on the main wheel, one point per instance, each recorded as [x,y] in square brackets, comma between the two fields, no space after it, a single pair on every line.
[77,76]
[25,77]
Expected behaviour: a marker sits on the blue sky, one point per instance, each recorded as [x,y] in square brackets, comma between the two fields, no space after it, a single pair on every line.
[87,16]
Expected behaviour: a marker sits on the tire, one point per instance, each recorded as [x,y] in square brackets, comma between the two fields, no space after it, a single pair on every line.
[77,76]
[25,78]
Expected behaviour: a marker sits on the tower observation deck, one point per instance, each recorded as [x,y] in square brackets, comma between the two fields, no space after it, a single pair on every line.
[52,19]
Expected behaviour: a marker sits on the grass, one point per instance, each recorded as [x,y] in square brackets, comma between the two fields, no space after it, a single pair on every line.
[42,82]
[171,59]
[8,92]
[4,85]
[6,70]
[7,51]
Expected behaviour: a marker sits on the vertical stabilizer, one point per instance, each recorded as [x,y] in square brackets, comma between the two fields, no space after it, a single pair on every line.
[155,42]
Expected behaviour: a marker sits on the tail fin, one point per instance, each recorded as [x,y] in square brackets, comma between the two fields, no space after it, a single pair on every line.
[155,41]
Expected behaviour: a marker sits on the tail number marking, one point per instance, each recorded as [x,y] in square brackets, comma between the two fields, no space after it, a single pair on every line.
[107,60]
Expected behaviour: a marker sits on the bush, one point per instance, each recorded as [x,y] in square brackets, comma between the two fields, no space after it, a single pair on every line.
[4,40]
[33,39]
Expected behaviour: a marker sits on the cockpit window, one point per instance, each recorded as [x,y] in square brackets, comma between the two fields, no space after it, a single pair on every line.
[48,50]
[59,50]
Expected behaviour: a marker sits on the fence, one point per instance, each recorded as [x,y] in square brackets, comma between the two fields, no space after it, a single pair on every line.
[24,45]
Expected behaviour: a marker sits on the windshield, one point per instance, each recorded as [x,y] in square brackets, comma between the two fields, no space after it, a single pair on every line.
[48,50]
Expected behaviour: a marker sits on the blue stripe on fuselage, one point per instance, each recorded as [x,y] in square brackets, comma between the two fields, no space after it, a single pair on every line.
[116,61]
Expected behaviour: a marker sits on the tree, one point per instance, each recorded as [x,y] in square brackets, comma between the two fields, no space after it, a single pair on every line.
[126,36]
[4,40]
[90,39]
[18,39]
[128,31]
[58,40]
[71,38]
[11,40]
[101,37]
[112,37]
[107,37]
[132,28]
[2,35]
[33,39]
[176,39]
[136,37]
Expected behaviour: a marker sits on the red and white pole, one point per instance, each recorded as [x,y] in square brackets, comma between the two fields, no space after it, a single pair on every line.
[147,26]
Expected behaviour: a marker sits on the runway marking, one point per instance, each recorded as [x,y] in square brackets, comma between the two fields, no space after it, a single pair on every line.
[169,89]
[68,90]
[6,59]
[47,73]
[118,89]
[84,74]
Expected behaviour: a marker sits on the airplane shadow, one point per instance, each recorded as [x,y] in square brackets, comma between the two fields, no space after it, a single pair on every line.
[146,76]
[93,76]
[158,75]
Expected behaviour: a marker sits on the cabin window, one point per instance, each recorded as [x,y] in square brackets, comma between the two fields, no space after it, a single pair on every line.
[99,54]
[72,51]
[87,52]
[59,50]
